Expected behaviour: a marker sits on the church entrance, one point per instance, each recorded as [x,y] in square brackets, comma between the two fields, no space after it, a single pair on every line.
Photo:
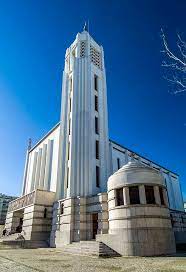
[94,224]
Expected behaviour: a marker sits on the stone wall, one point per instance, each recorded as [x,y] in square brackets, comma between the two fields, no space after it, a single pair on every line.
[37,217]
[72,219]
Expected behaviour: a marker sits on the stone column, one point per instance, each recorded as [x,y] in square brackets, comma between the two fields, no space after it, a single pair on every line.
[142,194]
[126,198]
[157,195]
[165,197]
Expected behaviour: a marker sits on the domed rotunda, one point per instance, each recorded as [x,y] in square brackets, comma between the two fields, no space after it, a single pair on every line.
[139,218]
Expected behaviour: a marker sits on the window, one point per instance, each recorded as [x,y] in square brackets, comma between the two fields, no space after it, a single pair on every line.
[119,197]
[69,126]
[161,196]
[68,150]
[96,103]
[70,105]
[118,163]
[67,176]
[134,195]
[96,82]
[96,126]
[45,212]
[62,208]
[97,177]
[149,191]
[97,150]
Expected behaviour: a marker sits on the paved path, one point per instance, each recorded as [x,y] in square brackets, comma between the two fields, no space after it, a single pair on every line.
[52,260]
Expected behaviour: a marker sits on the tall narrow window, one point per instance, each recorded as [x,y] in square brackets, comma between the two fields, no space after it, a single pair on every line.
[62,208]
[70,105]
[96,103]
[45,213]
[134,195]
[97,177]
[68,150]
[119,197]
[69,126]
[118,163]
[149,191]
[67,176]
[97,150]
[96,82]
[96,125]
[161,196]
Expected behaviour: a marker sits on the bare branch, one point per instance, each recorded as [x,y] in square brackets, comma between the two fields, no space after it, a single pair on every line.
[175,65]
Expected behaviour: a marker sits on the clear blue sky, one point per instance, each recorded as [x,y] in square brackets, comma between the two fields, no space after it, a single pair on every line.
[142,114]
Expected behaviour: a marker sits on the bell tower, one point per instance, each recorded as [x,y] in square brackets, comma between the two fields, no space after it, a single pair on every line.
[83,166]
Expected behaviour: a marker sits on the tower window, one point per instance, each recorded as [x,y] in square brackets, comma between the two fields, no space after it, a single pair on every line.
[62,208]
[97,150]
[97,177]
[161,196]
[118,163]
[149,191]
[119,197]
[70,105]
[134,195]
[67,176]
[96,103]
[96,82]
[96,126]
[68,150]
[45,213]
[69,126]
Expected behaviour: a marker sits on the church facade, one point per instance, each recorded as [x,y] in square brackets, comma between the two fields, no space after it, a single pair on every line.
[79,185]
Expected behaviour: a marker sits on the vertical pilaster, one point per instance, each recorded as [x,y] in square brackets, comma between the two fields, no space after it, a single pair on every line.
[157,195]
[43,164]
[33,171]
[142,194]
[38,168]
[48,165]
[126,196]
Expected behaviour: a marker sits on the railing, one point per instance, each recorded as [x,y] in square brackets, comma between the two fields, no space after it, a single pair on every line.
[21,202]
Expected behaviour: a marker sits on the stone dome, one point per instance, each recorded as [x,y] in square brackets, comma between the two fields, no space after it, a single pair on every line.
[134,172]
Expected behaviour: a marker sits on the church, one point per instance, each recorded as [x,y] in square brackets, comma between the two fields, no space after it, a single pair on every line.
[84,192]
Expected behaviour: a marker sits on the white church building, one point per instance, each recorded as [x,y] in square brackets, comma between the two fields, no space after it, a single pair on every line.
[83,190]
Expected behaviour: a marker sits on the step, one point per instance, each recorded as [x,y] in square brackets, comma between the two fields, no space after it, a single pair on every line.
[90,248]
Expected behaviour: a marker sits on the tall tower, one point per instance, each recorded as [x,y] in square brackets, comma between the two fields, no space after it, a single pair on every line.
[83,165]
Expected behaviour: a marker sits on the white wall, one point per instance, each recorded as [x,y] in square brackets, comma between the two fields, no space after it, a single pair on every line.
[43,163]
[171,179]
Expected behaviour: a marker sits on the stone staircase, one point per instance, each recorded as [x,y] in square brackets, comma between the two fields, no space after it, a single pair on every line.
[91,248]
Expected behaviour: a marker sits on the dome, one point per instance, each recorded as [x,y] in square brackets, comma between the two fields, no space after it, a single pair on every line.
[134,172]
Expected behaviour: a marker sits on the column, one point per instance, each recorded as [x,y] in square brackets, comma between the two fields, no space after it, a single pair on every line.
[157,195]
[142,194]
[126,198]
[165,197]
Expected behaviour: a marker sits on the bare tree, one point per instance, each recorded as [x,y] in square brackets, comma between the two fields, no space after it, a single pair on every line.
[175,64]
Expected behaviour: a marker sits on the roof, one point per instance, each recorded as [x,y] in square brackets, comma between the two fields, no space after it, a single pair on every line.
[143,157]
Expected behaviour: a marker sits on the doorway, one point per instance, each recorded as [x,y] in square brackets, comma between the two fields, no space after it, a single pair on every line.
[94,225]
